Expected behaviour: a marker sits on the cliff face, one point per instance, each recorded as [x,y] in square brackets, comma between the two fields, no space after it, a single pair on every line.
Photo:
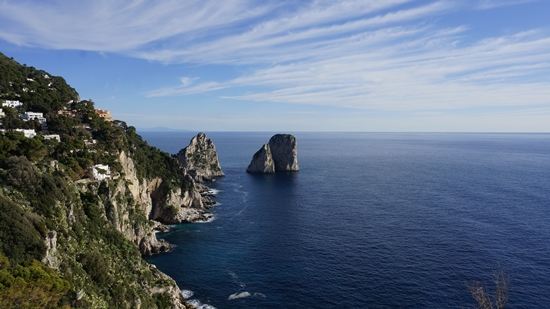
[279,155]
[92,236]
[200,159]
[284,152]
[156,202]
[127,205]
[262,161]
[136,209]
[170,206]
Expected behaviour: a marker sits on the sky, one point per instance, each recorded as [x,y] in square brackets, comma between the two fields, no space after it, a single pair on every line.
[286,66]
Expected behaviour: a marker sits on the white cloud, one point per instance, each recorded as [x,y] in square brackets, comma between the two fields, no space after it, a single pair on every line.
[299,36]
[187,81]
[116,26]
[490,4]
[362,54]
[425,70]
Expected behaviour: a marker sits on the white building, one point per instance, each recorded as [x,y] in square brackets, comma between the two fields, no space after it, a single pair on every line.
[32,116]
[101,172]
[27,133]
[89,143]
[2,114]
[12,104]
[52,136]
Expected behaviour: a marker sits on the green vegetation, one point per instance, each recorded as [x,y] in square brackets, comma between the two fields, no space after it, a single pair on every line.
[45,186]
[38,90]
[31,285]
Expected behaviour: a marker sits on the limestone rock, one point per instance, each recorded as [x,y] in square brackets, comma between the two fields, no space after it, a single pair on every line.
[154,200]
[51,259]
[200,159]
[279,155]
[262,161]
[284,152]
[169,287]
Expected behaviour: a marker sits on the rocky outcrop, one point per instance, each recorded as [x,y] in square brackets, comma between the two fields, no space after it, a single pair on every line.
[177,207]
[171,289]
[200,159]
[284,152]
[262,161]
[50,259]
[138,208]
[150,203]
[279,155]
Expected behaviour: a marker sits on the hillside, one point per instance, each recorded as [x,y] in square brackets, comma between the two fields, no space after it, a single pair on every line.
[81,200]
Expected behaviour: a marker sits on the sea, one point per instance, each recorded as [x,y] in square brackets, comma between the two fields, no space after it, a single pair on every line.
[371,220]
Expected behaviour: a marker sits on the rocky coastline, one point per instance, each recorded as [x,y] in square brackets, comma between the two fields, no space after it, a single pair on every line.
[84,207]
[162,204]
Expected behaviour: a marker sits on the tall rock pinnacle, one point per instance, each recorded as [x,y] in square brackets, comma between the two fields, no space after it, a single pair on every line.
[200,158]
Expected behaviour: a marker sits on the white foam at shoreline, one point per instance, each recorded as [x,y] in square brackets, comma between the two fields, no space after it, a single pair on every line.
[198,305]
[208,220]
[213,191]
[187,293]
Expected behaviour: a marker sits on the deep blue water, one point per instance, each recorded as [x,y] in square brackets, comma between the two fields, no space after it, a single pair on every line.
[371,220]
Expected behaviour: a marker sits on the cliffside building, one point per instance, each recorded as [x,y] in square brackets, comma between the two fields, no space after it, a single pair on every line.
[101,171]
[27,133]
[103,113]
[68,112]
[52,136]
[12,104]
[32,116]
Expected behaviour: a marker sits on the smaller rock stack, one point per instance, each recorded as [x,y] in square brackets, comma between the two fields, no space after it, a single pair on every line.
[279,155]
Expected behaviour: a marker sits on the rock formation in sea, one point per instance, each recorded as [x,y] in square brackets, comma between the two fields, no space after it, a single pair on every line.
[200,159]
[279,155]
[262,161]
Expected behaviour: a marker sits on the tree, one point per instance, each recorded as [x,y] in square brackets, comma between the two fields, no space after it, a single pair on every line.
[487,299]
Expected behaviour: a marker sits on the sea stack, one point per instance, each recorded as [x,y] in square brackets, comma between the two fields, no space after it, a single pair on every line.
[279,155]
[200,159]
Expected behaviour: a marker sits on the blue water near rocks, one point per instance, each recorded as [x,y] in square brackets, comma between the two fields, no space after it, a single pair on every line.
[371,220]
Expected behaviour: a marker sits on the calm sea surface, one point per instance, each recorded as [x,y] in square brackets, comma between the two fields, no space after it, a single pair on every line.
[371,220]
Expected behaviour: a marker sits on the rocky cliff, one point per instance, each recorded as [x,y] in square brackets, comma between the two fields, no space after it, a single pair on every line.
[152,199]
[279,155]
[200,159]
[262,161]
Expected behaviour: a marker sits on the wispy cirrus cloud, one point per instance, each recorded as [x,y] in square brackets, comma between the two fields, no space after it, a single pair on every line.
[117,26]
[439,79]
[361,54]
[491,4]
[305,33]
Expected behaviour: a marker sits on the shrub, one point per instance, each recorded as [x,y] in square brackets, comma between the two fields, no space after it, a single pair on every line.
[487,298]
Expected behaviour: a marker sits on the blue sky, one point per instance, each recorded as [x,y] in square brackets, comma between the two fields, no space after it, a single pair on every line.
[245,65]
